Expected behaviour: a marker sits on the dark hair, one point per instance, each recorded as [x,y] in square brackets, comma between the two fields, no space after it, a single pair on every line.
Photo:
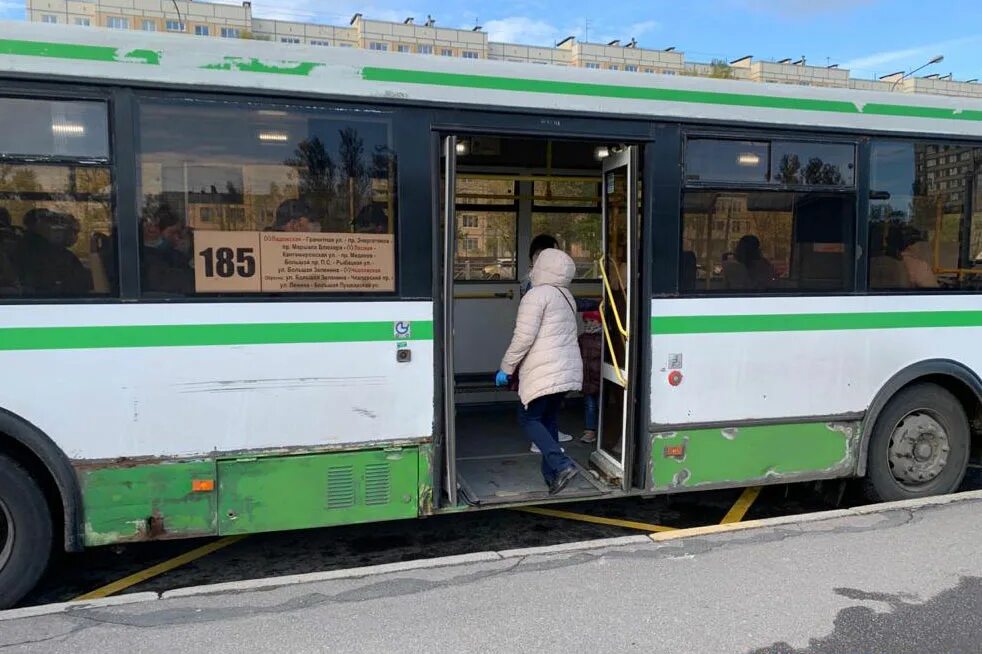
[35,216]
[4,217]
[290,210]
[542,242]
[748,249]
[164,216]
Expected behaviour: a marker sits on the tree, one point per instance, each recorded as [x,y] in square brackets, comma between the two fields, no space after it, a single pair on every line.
[316,178]
[720,69]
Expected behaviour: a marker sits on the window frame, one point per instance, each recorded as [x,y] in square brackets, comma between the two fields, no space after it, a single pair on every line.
[392,117]
[477,207]
[857,248]
[933,145]
[111,98]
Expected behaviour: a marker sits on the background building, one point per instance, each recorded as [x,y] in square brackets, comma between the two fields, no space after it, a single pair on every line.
[206,19]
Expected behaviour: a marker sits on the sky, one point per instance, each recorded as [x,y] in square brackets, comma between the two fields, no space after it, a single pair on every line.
[869,37]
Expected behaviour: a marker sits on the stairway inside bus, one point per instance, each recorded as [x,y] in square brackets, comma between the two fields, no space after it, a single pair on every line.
[507,190]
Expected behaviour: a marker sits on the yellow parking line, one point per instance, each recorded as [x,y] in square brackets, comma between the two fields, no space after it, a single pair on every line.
[582,517]
[741,506]
[160,568]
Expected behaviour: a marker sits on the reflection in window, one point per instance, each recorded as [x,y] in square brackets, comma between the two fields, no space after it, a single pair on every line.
[54,128]
[486,229]
[766,241]
[925,227]
[213,168]
[813,164]
[55,231]
[709,160]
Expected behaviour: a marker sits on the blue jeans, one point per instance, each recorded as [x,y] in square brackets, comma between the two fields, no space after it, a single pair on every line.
[540,422]
[591,412]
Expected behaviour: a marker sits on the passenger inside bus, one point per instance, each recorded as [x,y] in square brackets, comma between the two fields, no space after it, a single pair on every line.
[295,216]
[45,265]
[166,262]
[9,284]
[749,268]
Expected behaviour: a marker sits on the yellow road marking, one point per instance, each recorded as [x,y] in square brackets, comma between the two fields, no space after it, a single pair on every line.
[160,568]
[741,506]
[707,530]
[582,517]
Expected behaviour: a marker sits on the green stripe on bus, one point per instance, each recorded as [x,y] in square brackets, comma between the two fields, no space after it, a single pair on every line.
[118,336]
[602,90]
[808,322]
[405,76]
[76,51]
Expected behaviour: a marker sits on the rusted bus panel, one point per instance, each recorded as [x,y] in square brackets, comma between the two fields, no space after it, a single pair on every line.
[426,468]
[129,501]
[703,458]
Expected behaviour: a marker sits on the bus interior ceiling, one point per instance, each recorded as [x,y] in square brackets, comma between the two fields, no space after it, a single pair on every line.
[508,190]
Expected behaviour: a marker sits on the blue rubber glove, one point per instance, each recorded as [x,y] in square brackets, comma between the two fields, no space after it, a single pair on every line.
[501,379]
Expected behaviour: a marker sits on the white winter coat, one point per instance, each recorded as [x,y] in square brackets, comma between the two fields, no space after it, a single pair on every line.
[544,346]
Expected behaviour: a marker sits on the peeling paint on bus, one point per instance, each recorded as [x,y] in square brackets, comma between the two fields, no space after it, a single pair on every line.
[750,455]
[240,64]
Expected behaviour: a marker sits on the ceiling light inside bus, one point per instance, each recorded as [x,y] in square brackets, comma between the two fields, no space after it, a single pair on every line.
[748,159]
[274,137]
[463,148]
[68,129]
[601,152]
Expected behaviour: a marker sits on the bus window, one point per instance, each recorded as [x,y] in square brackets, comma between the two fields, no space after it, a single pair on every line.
[766,242]
[570,210]
[56,221]
[925,217]
[487,229]
[245,198]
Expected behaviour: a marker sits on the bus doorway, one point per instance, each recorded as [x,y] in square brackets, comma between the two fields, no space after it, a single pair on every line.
[498,194]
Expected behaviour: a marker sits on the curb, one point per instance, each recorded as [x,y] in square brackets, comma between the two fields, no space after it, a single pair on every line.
[66,607]
[485,557]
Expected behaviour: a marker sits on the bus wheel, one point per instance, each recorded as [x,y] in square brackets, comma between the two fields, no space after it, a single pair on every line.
[919,445]
[25,533]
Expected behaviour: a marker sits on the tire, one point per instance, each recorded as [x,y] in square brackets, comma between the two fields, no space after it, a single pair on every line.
[919,445]
[25,533]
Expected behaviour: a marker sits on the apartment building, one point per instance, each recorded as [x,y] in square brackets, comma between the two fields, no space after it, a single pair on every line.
[208,19]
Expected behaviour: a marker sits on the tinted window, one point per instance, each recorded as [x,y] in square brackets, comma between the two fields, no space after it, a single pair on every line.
[725,161]
[925,217]
[813,164]
[761,242]
[243,198]
[56,231]
[570,210]
[52,128]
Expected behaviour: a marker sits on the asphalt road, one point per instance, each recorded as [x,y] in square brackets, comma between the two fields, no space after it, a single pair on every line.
[902,580]
[298,552]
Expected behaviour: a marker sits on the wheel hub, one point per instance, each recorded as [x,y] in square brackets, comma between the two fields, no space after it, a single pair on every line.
[919,449]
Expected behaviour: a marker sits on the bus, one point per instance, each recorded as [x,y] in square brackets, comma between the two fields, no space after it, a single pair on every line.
[248,286]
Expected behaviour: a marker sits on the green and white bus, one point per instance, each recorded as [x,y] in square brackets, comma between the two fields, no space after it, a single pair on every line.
[247,286]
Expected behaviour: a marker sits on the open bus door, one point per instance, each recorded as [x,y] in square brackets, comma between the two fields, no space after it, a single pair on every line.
[618,270]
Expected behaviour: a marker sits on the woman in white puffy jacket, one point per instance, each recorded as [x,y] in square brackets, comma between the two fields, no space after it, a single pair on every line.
[545,352]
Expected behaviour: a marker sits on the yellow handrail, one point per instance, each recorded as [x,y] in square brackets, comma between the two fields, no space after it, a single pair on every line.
[610,298]
[610,347]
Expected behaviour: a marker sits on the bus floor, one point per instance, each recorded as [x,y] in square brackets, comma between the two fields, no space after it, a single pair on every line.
[495,464]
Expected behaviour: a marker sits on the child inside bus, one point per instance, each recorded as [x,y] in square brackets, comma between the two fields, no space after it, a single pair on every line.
[590,351]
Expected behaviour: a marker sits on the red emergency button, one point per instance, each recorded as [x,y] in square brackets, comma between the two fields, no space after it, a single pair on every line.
[675,378]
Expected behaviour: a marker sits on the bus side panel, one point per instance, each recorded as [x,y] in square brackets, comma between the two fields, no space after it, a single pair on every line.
[165,381]
[776,376]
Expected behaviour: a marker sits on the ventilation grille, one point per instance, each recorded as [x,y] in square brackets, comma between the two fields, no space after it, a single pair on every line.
[378,484]
[340,487]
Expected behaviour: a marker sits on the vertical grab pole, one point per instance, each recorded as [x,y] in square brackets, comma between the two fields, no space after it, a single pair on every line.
[449,238]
